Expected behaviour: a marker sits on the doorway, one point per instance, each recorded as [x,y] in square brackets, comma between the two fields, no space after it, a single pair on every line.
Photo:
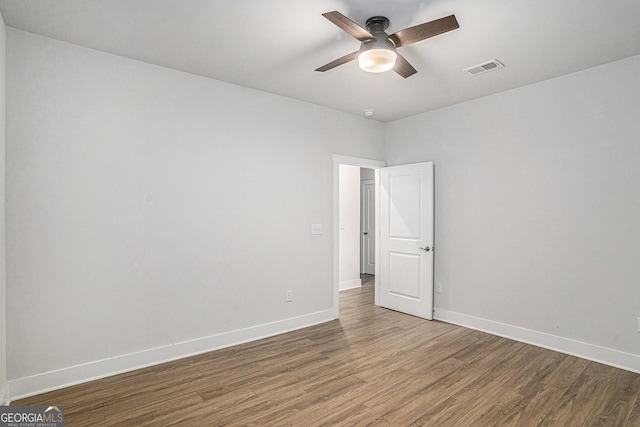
[338,227]
[404,201]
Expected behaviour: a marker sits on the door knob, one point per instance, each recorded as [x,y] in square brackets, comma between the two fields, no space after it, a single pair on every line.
[366,233]
[426,249]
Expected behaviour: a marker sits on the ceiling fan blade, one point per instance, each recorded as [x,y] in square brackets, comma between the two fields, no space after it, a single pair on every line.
[343,60]
[424,31]
[348,26]
[403,67]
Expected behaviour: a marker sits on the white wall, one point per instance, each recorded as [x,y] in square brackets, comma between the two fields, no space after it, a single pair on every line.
[3,270]
[150,211]
[538,209]
[349,249]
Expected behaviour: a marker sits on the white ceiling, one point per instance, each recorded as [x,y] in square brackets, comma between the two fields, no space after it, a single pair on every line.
[275,45]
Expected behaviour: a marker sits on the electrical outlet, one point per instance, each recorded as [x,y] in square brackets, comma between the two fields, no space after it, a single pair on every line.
[438,288]
[316,228]
[289,296]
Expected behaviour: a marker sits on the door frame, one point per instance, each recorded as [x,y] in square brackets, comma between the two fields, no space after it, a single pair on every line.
[350,161]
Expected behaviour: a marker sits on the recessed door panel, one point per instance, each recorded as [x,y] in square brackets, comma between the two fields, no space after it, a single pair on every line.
[404,210]
[404,275]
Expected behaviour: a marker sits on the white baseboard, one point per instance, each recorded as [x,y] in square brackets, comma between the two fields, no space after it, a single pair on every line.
[53,380]
[349,284]
[4,394]
[607,356]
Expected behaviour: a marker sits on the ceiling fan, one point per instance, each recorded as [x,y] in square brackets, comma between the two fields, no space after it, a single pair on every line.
[378,51]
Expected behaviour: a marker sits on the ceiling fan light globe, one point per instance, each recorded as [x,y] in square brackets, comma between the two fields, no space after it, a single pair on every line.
[377,60]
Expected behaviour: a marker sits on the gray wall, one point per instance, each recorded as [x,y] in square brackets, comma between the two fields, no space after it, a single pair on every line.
[538,206]
[148,207]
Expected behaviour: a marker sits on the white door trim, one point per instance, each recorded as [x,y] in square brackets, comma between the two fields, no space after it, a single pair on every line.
[337,161]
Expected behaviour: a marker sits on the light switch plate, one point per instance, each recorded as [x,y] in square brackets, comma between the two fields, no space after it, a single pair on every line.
[316,228]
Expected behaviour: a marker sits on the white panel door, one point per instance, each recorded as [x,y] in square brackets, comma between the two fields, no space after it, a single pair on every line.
[368,210]
[405,237]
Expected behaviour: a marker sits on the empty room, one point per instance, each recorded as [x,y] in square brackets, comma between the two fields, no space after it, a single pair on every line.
[339,212]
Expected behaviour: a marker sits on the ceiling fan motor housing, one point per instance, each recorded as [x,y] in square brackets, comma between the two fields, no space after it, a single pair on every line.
[377,44]
[377,24]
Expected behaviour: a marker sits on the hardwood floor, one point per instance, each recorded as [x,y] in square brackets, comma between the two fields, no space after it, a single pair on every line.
[371,367]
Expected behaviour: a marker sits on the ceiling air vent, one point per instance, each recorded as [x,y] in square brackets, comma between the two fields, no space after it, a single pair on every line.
[494,64]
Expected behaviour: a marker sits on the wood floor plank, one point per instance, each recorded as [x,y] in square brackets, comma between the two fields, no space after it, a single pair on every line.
[578,401]
[138,412]
[541,394]
[372,367]
[616,398]
[472,402]
[634,416]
